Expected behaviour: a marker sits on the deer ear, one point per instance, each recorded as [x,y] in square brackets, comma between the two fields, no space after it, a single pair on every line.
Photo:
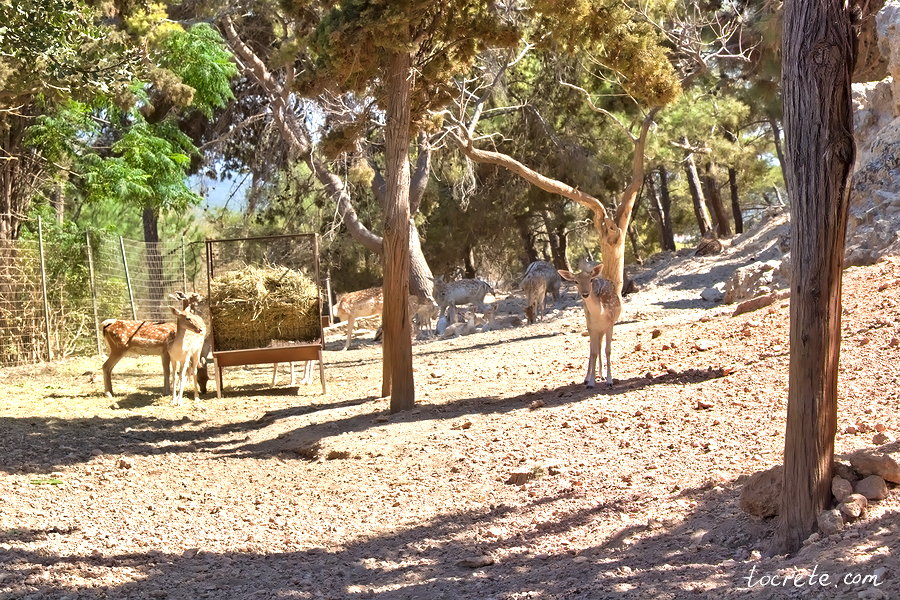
[596,270]
[566,275]
[174,310]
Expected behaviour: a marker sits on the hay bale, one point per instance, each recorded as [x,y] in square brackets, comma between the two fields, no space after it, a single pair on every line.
[252,306]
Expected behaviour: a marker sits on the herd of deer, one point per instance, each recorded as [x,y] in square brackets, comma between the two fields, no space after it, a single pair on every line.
[602,307]
[183,345]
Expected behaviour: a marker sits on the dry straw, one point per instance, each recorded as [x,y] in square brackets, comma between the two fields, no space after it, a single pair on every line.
[252,306]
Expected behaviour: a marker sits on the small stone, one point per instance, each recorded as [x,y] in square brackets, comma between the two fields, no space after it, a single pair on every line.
[536,404]
[879,427]
[703,345]
[841,488]
[476,562]
[655,333]
[871,594]
[761,494]
[872,487]
[845,472]
[124,463]
[881,438]
[830,521]
[812,539]
[854,506]
[520,476]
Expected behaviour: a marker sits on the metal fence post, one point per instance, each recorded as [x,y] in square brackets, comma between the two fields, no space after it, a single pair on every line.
[44,288]
[183,267]
[127,278]
[90,257]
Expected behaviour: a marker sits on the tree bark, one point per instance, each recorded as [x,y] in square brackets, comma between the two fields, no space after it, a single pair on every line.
[469,261]
[18,171]
[397,346]
[704,223]
[819,50]
[776,138]
[714,199]
[735,201]
[529,251]
[150,219]
[665,201]
[666,239]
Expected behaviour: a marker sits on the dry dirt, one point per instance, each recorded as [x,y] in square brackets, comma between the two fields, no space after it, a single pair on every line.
[631,492]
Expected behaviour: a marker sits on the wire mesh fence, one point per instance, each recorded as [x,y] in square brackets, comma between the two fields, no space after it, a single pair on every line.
[56,290]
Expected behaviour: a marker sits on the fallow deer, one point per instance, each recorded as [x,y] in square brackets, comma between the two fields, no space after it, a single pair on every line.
[354,305]
[602,307]
[496,322]
[540,277]
[145,338]
[464,291]
[184,351]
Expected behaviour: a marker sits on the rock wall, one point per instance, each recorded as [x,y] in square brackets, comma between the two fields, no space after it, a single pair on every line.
[874,224]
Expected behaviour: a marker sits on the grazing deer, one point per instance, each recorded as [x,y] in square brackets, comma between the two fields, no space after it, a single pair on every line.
[353,305]
[540,277]
[145,338]
[464,291]
[184,351]
[602,307]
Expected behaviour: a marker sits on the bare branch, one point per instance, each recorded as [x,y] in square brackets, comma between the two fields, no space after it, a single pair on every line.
[602,111]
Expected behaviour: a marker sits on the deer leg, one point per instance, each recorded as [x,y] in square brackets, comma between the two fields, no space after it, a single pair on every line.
[349,332]
[176,370]
[166,374]
[194,367]
[591,378]
[274,373]
[107,372]
[184,370]
[609,379]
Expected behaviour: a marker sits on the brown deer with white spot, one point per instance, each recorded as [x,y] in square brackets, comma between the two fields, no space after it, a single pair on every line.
[602,307]
[144,338]
[358,304]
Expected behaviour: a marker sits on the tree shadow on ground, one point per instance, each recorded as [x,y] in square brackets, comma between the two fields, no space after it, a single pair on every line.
[706,554]
[42,444]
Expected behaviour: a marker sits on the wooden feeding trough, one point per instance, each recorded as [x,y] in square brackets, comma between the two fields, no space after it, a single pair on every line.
[265,301]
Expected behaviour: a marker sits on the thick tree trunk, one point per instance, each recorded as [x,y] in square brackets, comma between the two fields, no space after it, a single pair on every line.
[714,199]
[819,50]
[735,201]
[18,170]
[397,348]
[704,222]
[421,280]
[153,257]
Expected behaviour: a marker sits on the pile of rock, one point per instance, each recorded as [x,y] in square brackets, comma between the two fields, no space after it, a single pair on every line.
[854,487]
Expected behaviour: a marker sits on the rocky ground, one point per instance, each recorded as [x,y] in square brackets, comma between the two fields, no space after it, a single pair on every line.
[509,480]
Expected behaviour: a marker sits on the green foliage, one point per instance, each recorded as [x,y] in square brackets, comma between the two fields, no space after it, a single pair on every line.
[199,58]
[57,48]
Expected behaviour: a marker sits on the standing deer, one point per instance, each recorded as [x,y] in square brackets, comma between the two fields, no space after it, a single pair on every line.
[184,351]
[464,291]
[602,307]
[354,305]
[145,338]
[540,277]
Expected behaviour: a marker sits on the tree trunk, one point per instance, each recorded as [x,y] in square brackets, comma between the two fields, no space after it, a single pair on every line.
[665,234]
[819,50]
[665,201]
[714,199]
[421,280]
[735,201]
[528,238]
[779,150]
[632,236]
[397,346]
[150,218]
[704,223]
[18,171]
